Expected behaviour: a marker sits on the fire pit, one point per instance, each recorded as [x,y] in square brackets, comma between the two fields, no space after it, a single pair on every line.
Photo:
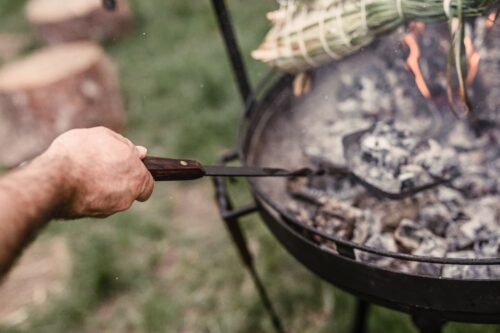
[434,254]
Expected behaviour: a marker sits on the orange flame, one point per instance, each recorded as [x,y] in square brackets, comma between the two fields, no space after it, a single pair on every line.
[412,62]
[473,59]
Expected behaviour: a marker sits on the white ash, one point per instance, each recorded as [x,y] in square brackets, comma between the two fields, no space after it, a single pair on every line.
[365,228]
[436,217]
[330,148]
[410,234]
[430,247]
[461,220]
[394,158]
[464,271]
[384,242]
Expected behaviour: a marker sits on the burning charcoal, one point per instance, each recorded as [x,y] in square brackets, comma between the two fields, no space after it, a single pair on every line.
[398,159]
[481,225]
[475,183]
[438,161]
[314,188]
[387,146]
[492,204]
[411,175]
[369,95]
[436,218]
[332,207]
[457,239]
[494,271]
[410,234]
[402,266]
[365,228]
[384,242]
[452,199]
[421,142]
[464,271]
[479,229]
[487,248]
[463,235]
[301,213]
[324,140]
[331,226]
[341,187]
[484,211]
[461,137]
[430,247]
[393,212]
[479,177]
[329,246]
[299,188]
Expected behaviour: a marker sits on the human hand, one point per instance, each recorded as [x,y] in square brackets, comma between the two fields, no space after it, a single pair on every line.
[102,172]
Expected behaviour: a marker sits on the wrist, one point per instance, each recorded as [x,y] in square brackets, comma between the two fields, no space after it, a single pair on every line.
[56,171]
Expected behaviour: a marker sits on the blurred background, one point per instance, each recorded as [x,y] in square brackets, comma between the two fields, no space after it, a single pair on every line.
[168,265]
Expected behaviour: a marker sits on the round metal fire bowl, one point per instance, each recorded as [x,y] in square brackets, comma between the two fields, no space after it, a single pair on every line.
[474,301]
[269,136]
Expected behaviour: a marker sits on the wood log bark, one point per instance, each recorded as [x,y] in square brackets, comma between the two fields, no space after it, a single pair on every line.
[60,21]
[51,91]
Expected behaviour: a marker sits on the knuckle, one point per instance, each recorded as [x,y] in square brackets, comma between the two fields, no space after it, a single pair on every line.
[126,204]
[101,129]
[146,188]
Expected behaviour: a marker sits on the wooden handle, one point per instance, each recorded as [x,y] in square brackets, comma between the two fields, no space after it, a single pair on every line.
[171,169]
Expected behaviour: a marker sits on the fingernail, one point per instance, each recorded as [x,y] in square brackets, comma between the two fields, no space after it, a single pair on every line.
[143,151]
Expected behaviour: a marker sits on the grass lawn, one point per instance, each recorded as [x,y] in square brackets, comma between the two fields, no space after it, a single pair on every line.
[168,265]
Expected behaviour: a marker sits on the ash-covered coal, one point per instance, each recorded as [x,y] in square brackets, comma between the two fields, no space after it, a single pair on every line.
[394,158]
[458,219]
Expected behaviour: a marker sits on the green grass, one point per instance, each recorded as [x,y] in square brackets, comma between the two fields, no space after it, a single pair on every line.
[141,272]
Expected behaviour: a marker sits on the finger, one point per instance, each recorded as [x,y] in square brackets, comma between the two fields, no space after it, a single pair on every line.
[120,137]
[143,151]
[128,142]
[147,188]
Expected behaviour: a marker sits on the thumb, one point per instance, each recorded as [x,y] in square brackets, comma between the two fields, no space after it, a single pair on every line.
[143,151]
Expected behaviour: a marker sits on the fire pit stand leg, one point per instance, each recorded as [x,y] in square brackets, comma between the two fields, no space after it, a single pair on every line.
[233,50]
[360,316]
[428,323]
[231,220]
[240,242]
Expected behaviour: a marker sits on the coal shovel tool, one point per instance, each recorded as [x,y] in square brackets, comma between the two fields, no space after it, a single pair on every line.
[395,189]
[168,169]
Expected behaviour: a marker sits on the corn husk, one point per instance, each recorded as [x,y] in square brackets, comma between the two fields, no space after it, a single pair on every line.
[307,34]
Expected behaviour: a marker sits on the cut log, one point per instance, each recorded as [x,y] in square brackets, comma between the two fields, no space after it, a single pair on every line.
[51,91]
[60,21]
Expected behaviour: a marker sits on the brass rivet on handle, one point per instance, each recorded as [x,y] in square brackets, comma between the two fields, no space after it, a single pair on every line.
[183,163]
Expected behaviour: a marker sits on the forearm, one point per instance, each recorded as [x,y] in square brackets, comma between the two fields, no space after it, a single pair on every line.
[85,172]
[29,198]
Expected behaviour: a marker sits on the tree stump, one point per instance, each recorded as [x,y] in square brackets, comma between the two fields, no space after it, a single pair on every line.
[60,21]
[51,91]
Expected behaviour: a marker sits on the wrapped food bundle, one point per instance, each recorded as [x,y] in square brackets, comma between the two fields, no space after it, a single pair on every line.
[309,33]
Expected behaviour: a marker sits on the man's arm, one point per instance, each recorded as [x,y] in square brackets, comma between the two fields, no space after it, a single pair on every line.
[87,172]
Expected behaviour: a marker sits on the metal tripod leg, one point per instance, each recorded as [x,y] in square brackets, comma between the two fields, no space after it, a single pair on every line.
[239,240]
[360,316]
[233,50]
[428,323]
[231,220]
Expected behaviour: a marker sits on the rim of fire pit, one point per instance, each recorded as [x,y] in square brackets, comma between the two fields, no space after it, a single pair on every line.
[274,85]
